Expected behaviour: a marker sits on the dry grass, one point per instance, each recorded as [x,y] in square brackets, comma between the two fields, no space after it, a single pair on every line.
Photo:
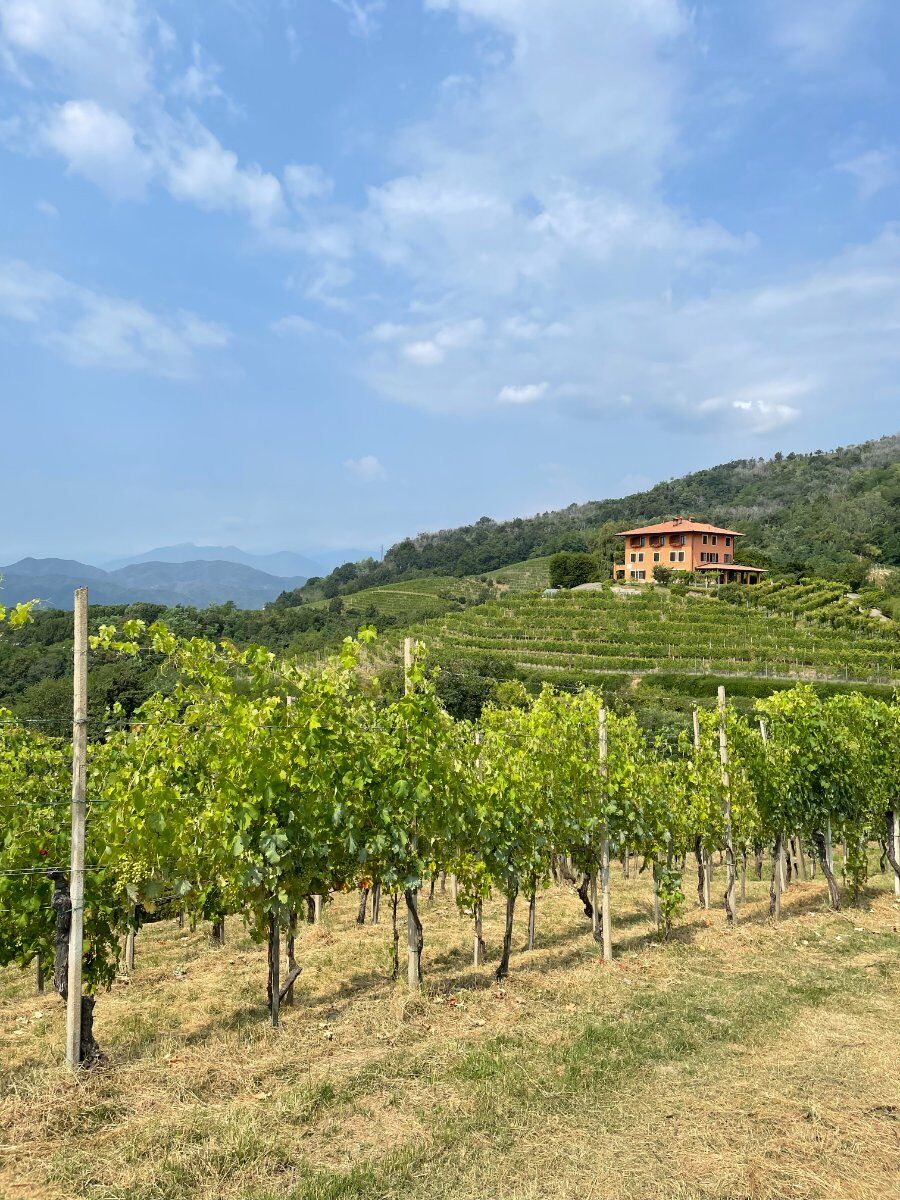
[754,1063]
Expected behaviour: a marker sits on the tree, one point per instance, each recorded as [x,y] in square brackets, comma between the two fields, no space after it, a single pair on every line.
[568,570]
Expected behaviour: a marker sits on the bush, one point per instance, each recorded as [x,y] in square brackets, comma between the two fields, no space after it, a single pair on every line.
[662,574]
[568,570]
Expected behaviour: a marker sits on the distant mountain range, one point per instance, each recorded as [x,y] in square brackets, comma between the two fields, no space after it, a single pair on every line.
[195,583]
[183,574]
[284,563]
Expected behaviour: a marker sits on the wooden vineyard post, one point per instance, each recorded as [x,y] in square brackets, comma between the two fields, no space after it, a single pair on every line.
[76,870]
[274,968]
[413,925]
[829,848]
[895,836]
[129,951]
[730,872]
[376,904]
[596,919]
[478,908]
[705,863]
[605,915]
[290,954]
[478,955]
[778,852]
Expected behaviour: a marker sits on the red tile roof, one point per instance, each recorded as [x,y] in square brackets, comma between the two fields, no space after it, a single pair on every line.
[679,525]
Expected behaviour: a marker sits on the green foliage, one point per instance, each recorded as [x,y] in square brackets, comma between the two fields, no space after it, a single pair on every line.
[568,570]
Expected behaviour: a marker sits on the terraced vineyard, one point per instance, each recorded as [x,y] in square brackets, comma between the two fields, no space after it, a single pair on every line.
[586,636]
[822,599]
[417,599]
[532,575]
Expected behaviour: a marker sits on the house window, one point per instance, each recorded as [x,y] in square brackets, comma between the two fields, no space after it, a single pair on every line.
[705,539]
[656,556]
[641,557]
[715,540]
[728,541]
[703,556]
[634,558]
[672,556]
[642,574]
[662,539]
[682,540]
[728,558]
[681,556]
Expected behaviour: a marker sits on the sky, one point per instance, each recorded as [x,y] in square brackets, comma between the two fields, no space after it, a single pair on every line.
[325,273]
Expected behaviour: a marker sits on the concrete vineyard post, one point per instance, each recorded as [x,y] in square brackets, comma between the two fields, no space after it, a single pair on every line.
[605,917]
[730,872]
[76,871]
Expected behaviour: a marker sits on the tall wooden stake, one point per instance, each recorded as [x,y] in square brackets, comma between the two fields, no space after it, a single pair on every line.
[705,856]
[896,836]
[731,873]
[605,917]
[414,965]
[76,869]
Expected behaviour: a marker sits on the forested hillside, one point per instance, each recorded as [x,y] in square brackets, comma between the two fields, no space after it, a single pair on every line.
[832,513]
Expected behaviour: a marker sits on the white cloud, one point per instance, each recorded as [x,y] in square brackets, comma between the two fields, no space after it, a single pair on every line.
[93,329]
[526,393]
[366,469]
[46,209]
[430,351]
[100,145]
[873,170]
[813,37]
[198,168]
[760,409]
[301,327]
[362,15]
[97,47]
[117,64]
[307,181]
[200,82]
[387,331]
[424,354]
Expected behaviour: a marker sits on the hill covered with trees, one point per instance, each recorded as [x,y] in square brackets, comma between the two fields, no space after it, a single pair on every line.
[834,514]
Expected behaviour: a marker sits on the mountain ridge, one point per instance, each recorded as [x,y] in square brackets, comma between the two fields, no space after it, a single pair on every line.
[197,583]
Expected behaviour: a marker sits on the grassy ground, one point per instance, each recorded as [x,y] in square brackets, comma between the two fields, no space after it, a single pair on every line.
[759,1062]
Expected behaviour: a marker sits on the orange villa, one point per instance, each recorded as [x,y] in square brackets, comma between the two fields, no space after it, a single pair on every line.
[683,544]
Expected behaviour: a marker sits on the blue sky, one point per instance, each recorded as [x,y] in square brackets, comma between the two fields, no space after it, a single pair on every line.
[307,273]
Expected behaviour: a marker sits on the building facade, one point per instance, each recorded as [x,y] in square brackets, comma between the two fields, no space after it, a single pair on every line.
[683,544]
